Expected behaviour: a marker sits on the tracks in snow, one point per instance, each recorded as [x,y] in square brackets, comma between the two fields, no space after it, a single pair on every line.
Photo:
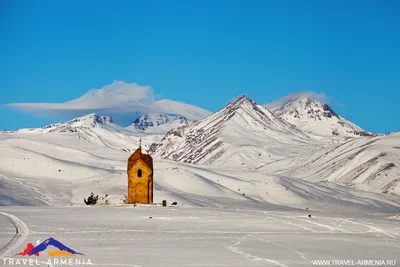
[251,257]
[21,232]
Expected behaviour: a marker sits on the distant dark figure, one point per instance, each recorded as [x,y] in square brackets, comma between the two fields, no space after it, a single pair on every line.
[309,215]
[174,203]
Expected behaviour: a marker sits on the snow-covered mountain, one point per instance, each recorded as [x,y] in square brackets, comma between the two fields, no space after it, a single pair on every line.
[157,123]
[241,134]
[315,117]
[75,125]
[95,129]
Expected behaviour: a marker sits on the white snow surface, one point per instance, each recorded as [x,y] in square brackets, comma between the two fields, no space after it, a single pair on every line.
[193,236]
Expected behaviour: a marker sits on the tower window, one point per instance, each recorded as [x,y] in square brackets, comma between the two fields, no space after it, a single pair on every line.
[139,173]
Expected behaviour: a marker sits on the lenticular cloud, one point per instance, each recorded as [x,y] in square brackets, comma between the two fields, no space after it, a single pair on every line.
[117,98]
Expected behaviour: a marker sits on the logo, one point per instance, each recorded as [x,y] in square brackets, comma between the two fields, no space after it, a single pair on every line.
[59,254]
[60,251]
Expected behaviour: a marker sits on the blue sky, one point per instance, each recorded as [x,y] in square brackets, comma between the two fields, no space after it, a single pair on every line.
[203,53]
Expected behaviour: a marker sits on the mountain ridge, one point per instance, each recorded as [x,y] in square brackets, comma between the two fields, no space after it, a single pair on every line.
[241,123]
[157,122]
[307,114]
[91,120]
[242,136]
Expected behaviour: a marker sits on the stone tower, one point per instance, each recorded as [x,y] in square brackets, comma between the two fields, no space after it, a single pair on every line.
[140,177]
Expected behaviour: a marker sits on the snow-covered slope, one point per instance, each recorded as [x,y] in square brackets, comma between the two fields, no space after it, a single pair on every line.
[156,123]
[315,117]
[242,134]
[395,134]
[56,169]
[366,163]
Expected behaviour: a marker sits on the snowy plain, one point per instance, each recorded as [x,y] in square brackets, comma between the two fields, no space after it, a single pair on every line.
[198,236]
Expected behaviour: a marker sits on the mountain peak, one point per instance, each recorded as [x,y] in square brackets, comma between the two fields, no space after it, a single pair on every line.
[311,114]
[304,99]
[302,105]
[240,100]
[158,122]
[92,118]
[242,97]
[89,121]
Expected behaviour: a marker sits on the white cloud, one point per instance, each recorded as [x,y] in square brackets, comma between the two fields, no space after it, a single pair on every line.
[117,98]
[289,98]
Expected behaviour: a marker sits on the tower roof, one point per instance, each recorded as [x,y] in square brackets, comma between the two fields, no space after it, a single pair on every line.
[147,159]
